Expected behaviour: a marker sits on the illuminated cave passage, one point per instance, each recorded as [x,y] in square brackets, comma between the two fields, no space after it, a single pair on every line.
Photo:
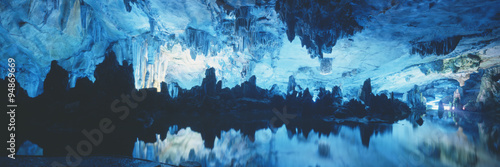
[252,82]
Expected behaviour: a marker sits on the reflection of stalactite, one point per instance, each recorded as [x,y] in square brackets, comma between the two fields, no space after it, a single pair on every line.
[453,149]
[489,136]
[441,109]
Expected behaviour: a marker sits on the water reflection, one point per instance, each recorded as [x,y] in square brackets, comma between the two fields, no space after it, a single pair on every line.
[457,139]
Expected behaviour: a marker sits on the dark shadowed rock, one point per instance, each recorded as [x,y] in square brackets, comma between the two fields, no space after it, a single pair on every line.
[488,98]
[209,83]
[112,78]
[291,85]
[377,107]
[415,99]
[366,92]
[56,81]
[164,88]
[218,87]
[250,87]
